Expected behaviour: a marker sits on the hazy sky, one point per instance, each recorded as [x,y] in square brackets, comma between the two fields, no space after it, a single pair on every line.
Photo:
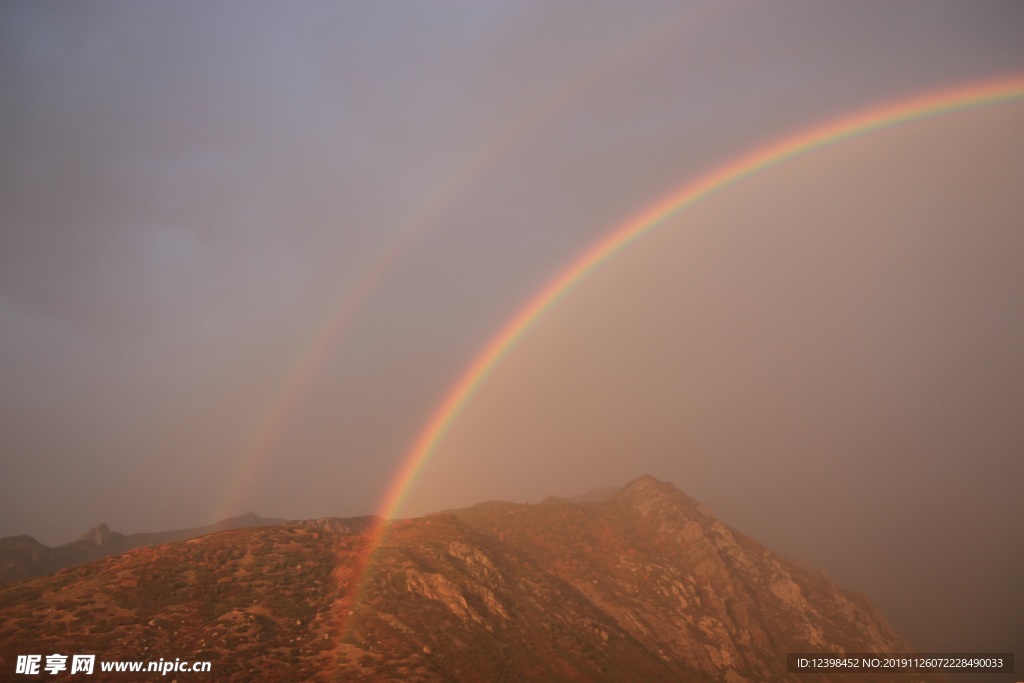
[245,250]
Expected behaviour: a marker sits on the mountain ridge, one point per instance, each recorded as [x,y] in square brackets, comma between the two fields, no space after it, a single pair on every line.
[24,557]
[644,585]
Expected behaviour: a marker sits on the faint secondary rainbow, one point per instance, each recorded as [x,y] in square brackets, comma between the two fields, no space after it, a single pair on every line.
[301,374]
[1004,90]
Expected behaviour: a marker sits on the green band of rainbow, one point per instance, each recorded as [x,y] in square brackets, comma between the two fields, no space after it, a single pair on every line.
[1003,90]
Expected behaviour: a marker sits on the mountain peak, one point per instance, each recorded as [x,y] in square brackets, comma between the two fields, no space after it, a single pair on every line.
[645,482]
[649,494]
[245,519]
[98,535]
[647,487]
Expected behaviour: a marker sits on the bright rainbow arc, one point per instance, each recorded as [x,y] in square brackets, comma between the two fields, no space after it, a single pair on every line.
[999,91]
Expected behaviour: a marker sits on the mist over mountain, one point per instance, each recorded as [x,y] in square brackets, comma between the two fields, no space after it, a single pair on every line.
[23,556]
[638,584]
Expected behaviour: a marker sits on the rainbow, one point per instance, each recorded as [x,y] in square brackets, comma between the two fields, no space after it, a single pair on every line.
[302,373]
[1004,90]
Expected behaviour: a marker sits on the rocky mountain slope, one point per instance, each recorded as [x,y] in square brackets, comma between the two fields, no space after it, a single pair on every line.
[644,585]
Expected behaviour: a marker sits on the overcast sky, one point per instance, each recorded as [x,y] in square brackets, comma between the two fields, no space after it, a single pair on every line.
[246,249]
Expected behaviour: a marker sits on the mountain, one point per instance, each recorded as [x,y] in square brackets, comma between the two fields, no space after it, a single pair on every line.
[23,556]
[641,585]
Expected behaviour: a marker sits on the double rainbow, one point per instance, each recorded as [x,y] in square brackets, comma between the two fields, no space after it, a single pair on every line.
[301,374]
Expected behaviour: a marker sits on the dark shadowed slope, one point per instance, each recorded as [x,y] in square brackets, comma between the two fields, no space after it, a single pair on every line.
[23,556]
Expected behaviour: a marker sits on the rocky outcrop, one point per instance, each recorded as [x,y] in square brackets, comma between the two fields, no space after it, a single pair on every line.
[99,535]
[342,525]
